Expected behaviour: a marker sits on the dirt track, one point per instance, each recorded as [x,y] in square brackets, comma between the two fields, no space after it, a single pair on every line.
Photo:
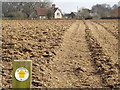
[86,56]
[79,64]
[72,66]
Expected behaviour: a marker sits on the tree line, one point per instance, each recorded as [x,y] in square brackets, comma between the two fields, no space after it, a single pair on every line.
[23,10]
[99,11]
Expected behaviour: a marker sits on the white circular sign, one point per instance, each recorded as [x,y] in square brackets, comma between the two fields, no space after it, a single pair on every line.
[21,74]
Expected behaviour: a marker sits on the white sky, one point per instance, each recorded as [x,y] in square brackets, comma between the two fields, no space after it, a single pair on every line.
[72,5]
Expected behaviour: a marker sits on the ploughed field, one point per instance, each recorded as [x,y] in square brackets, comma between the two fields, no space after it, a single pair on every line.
[65,53]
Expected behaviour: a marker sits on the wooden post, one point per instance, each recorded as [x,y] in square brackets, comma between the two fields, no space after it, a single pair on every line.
[22,74]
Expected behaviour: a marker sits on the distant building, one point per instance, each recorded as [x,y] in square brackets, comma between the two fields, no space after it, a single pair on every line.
[72,15]
[117,12]
[94,15]
[42,12]
[67,16]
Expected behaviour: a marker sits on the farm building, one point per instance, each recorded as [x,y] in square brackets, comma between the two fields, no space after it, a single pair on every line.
[118,12]
[56,12]
[72,15]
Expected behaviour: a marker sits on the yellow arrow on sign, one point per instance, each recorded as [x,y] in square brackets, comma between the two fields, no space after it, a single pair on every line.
[22,74]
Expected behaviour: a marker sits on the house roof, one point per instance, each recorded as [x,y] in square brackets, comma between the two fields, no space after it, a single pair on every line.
[55,9]
[42,11]
[72,14]
[66,14]
[75,13]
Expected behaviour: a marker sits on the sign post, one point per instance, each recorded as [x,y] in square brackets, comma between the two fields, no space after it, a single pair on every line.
[22,74]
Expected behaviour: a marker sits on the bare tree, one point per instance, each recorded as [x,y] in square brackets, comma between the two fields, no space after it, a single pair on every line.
[103,10]
[26,8]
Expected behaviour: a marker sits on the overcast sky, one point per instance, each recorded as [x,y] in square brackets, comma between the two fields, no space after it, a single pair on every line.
[72,5]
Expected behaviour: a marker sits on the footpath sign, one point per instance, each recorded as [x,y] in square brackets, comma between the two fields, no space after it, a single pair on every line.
[22,74]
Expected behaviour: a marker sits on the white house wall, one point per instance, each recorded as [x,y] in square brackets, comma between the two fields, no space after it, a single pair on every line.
[56,14]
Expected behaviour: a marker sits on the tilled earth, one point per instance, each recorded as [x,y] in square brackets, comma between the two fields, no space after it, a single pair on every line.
[65,54]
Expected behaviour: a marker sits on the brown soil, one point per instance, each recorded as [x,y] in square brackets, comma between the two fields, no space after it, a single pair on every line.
[65,54]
